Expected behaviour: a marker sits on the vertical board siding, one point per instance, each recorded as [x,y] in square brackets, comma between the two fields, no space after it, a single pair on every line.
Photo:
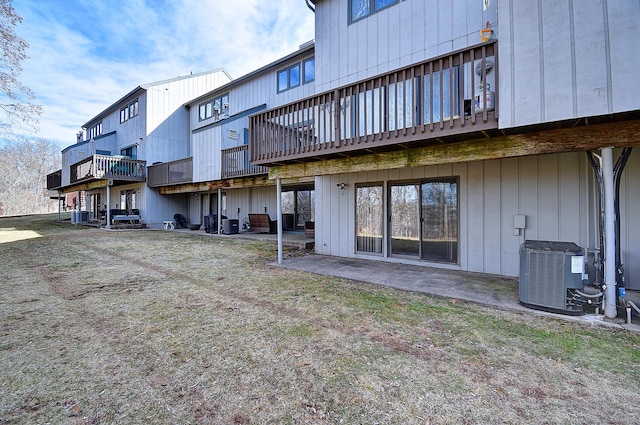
[509,207]
[567,59]
[630,225]
[492,218]
[553,191]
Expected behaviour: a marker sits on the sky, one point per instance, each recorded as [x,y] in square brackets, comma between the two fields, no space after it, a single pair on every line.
[87,54]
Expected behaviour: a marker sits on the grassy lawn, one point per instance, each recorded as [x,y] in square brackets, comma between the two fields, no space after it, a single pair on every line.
[143,327]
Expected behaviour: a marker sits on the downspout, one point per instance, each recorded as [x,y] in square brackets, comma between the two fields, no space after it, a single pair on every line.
[617,173]
[609,233]
[310,6]
[597,169]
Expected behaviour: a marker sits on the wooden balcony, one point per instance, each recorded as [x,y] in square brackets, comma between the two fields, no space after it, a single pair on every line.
[103,167]
[54,180]
[436,101]
[235,163]
[171,173]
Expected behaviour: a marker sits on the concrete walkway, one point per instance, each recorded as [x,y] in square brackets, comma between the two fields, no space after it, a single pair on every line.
[490,290]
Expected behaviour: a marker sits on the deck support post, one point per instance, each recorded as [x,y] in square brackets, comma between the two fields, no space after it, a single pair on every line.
[108,212]
[609,235]
[279,216]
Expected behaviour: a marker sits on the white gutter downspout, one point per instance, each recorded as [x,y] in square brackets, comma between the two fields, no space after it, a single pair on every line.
[609,234]
[279,215]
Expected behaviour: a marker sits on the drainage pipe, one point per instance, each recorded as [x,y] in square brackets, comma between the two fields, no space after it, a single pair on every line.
[609,234]
[630,305]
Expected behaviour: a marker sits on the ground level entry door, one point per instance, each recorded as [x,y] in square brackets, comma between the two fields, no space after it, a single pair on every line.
[424,220]
[298,207]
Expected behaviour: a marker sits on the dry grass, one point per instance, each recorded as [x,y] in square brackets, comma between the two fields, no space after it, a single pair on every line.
[163,327]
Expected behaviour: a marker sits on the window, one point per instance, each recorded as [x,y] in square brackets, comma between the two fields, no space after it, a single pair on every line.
[291,77]
[129,111]
[96,130]
[362,8]
[214,107]
[308,70]
[130,152]
[128,199]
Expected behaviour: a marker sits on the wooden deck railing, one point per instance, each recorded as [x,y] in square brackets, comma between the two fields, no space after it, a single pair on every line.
[54,180]
[437,98]
[235,163]
[108,167]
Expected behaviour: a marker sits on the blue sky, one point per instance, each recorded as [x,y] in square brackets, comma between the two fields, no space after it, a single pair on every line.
[86,54]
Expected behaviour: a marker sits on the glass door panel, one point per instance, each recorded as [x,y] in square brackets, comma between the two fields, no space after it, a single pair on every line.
[405,219]
[440,221]
[288,209]
[369,219]
[306,201]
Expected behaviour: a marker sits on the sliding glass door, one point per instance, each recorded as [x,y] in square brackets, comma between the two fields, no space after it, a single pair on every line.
[439,236]
[424,220]
[404,231]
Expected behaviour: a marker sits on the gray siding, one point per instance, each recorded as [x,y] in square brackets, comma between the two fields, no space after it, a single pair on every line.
[561,60]
[409,32]
[555,192]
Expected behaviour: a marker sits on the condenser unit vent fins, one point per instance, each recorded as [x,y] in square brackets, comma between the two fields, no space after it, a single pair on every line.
[547,270]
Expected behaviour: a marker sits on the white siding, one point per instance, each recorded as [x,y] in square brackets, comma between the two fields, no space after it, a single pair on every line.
[206,154]
[166,118]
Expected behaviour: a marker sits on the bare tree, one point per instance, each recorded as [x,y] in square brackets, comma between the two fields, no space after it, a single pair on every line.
[16,100]
[24,166]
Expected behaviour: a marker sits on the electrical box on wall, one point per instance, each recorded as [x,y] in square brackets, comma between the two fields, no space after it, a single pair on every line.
[519,224]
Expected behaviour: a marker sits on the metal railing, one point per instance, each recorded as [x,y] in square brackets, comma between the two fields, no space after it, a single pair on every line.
[441,97]
[235,163]
[108,167]
[168,173]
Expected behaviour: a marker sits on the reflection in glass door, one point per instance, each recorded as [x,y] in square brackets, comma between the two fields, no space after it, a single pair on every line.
[369,218]
[298,206]
[440,220]
[305,207]
[405,219]
[424,220]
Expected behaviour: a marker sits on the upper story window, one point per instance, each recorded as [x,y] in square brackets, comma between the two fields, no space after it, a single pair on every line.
[301,72]
[129,111]
[214,107]
[130,152]
[308,70]
[359,9]
[96,130]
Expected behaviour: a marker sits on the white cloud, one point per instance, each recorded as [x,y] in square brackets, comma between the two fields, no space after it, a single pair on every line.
[85,55]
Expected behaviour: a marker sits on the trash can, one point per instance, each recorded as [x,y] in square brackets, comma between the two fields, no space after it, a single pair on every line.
[230,226]
[84,216]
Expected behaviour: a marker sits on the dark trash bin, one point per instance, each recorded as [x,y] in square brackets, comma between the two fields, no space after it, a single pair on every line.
[211,223]
[230,226]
